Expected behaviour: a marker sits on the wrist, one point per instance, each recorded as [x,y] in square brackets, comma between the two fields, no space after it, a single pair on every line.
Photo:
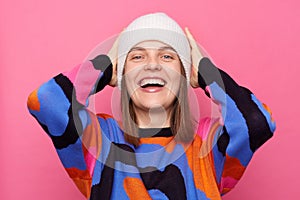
[104,64]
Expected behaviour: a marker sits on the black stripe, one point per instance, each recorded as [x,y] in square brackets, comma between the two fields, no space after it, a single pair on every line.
[74,126]
[103,63]
[155,132]
[259,130]
[151,176]
[117,152]
[223,141]
[169,181]
[104,188]
[208,73]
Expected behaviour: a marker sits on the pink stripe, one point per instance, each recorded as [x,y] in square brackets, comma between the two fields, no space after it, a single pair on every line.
[83,77]
[228,182]
[90,159]
[72,74]
[203,128]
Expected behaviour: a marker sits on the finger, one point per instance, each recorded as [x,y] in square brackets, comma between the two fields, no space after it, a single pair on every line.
[188,33]
[190,38]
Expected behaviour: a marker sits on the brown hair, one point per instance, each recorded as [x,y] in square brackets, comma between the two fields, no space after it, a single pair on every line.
[181,121]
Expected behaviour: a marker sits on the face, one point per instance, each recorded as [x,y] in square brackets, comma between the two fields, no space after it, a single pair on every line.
[152,73]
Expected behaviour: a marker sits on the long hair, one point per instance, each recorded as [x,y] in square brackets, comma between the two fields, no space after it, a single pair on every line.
[181,121]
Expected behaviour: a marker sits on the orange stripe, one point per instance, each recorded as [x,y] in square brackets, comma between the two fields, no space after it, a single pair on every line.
[200,160]
[92,142]
[104,116]
[168,143]
[135,189]
[233,168]
[268,110]
[82,180]
[203,169]
[33,101]
[208,144]
[225,190]
[92,134]
[77,173]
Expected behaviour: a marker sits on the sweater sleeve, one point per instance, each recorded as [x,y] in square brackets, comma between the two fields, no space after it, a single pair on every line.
[247,124]
[60,107]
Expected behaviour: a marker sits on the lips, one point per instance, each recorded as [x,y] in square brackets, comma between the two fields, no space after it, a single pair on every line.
[152,84]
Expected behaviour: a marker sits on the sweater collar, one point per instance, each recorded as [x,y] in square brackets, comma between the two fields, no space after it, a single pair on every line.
[155,132]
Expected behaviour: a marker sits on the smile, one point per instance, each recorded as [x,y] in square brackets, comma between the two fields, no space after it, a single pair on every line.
[152,82]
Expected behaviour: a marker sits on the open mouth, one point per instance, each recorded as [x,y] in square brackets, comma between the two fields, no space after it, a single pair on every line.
[152,82]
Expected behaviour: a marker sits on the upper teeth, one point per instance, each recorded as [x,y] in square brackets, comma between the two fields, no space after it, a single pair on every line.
[152,81]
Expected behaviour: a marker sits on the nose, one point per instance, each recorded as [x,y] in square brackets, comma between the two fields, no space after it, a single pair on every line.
[153,64]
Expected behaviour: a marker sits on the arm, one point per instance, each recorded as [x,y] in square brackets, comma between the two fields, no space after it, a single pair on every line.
[59,106]
[247,123]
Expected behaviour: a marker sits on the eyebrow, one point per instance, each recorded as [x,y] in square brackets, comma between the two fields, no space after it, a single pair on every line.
[167,48]
[137,49]
[160,49]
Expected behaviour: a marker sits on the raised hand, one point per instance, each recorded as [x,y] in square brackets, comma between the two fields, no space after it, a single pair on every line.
[196,57]
[113,55]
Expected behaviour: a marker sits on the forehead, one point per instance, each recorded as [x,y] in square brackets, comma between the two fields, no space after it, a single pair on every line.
[152,44]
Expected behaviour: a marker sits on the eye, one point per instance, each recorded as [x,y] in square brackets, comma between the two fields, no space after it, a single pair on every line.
[137,57]
[167,57]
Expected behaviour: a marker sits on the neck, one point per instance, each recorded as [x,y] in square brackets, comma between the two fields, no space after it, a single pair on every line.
[156,117]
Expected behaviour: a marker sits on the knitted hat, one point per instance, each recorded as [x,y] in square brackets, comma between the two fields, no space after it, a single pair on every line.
[156,26]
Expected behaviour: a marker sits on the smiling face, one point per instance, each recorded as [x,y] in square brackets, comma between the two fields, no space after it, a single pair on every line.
[152,73]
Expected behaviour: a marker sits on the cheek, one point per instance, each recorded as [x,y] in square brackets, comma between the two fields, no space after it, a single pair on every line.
[130,78]
[174,68]
[175,87]
[131,66]
[128,72]
[176,77]
[174,72]
[129,83]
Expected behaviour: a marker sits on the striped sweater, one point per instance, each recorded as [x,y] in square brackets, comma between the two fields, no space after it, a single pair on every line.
[103,165]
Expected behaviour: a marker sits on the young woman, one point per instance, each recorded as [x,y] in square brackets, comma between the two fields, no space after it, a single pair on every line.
[158,150]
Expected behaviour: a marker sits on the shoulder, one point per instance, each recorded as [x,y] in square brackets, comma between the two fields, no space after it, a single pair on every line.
[110,127]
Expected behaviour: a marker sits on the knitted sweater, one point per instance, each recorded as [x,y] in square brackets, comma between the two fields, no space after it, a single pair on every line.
[103,165]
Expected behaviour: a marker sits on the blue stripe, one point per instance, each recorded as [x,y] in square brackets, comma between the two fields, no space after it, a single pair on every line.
[159,157]
[53,111]
[267,115]
[219,160]
[84,118]
[235,123]
[191,191]
[72,156]
[157,194]
[97,172]
[105,149]
[93,90]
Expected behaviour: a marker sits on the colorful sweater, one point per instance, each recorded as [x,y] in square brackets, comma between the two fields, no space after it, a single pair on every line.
[103,165]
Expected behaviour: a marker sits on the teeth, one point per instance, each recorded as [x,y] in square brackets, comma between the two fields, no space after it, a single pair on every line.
[152,81]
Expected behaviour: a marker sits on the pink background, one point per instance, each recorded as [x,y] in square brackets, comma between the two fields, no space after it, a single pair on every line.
[256,41]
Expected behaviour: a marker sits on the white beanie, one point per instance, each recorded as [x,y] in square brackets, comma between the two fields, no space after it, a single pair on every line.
[156,26]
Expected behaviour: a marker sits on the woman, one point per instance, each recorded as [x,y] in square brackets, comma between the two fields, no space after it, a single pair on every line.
[157,151]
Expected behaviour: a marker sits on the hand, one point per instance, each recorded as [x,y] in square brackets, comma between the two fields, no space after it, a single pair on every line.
[113,55]
[196,57]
